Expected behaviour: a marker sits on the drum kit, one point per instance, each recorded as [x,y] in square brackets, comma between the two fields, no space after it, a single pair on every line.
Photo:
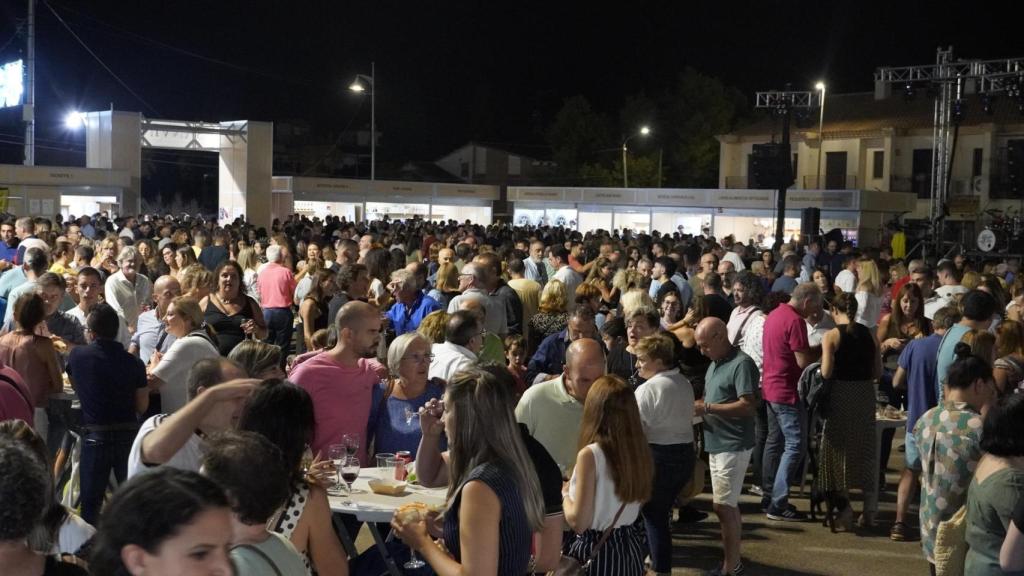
[1004,233]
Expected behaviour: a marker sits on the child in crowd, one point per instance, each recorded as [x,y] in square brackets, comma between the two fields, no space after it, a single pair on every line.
[515,357]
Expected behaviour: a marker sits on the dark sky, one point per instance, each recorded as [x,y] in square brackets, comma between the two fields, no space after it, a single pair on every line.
[450,71]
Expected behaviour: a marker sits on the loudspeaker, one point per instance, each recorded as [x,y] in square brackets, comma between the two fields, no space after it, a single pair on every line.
[810,222]
[769,166]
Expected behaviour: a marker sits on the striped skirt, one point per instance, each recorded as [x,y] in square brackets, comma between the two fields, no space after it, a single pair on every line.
[622,555]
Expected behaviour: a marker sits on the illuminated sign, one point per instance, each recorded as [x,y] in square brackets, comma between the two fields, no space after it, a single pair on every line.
[12,84]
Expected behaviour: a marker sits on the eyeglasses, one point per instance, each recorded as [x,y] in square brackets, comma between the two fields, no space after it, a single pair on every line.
[419,358]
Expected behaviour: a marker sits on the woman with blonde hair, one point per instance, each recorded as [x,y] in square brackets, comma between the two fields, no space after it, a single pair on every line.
[868,294]
[249,262]
[551,316]
[105,259]
[433,325]
[195,341]
[196,281]
[446,286]
[633,299]
[982,343]
[602,276]
[494,495]
[611,481]
[184,257]
[259,359]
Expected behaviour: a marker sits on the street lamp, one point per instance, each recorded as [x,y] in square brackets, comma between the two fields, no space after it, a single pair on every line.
[74,120]
[644,131]
[820,86]
[358,87]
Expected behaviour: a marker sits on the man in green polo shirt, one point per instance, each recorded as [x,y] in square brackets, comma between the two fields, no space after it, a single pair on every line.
[553,410]
[730,400]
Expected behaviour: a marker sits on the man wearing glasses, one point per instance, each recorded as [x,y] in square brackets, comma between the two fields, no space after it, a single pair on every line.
[708,263]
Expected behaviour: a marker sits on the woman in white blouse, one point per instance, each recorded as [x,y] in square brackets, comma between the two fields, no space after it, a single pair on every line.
[869,293]
[665,401]
[195,341]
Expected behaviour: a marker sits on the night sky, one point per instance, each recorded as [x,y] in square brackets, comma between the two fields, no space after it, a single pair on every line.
[448,72]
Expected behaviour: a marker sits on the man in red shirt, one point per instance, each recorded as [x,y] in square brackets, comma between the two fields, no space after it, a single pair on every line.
[786,353]
[277,289]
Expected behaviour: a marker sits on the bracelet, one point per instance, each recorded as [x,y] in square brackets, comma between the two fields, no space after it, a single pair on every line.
[707,408]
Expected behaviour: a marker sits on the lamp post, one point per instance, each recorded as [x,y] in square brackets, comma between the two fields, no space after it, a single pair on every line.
[644,131]
[358,87]
[820,86]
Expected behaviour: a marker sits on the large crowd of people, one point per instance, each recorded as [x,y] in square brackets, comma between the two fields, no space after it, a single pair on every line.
[570,390]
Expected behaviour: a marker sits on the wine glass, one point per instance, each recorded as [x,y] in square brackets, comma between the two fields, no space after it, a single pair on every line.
[349,471]
[414,562]
[337,455]
[351,443]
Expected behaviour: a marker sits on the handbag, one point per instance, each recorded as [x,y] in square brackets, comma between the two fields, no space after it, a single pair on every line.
[569,566]
[951,545]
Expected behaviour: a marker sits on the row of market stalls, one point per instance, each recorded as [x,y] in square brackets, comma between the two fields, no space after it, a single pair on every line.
[744,214]
[373,200]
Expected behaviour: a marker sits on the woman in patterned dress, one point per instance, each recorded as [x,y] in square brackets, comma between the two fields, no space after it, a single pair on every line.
[849,357]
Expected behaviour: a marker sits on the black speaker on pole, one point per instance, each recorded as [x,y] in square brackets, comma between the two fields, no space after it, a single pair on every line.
[810,222]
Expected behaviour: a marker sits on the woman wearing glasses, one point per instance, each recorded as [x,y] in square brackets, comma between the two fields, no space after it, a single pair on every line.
[394,422]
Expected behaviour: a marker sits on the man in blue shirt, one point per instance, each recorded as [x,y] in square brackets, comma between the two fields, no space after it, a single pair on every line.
[916,375]
[8,245]
[549,359]
[111,385]
[978,309]
[411,304]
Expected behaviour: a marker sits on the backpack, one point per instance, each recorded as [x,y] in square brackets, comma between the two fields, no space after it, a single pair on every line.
[813,389]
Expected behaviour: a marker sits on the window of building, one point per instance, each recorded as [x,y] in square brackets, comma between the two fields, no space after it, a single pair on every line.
[878,164]
[515,164]
[464,170]
[976,162]
[921,173]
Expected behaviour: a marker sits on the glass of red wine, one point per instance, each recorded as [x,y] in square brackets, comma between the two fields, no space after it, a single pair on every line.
[349,472]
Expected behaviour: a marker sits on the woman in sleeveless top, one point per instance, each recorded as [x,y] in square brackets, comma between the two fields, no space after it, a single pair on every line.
[283,413]
[851,360]
[313,312]
[611,481]
[232,314]
[491,473]
[1008,369]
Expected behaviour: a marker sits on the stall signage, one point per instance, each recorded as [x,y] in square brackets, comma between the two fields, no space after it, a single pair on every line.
[836,199]
[742,199]
[464,191]
[609,196]
[665,196]
[536,194]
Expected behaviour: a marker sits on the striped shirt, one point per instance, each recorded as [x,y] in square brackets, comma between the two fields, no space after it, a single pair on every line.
[514,535]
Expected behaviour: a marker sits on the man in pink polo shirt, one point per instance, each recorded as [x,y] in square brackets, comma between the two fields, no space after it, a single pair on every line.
[786,353]
[340,380]
[276,285]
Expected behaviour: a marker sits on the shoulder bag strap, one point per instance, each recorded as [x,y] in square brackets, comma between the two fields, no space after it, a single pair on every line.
[263,555]
[604,537]
[739,333]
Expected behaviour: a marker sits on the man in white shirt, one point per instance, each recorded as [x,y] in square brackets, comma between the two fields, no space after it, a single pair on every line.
[463,340]
[565,274]
[217,390]
[473,285]
[90,286]
[731,256]
[535,268]
[552,411]
[949,281]
[925,280]
[846,280]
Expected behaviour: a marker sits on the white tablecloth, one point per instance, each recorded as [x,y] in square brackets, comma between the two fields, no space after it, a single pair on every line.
[369,507]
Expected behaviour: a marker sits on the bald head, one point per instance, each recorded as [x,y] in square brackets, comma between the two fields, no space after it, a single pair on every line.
[474,306]
[584,363]
[352,314]
[713,338]
[165,289]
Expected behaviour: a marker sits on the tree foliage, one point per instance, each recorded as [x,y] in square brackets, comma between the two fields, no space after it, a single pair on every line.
[684,122]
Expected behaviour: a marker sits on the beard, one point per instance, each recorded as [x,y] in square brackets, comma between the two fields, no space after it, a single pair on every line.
[371,351]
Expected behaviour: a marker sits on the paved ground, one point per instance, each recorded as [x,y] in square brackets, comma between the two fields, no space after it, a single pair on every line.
[797,548]
[805,548]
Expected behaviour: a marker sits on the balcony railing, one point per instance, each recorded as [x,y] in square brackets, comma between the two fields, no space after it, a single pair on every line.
[830,182]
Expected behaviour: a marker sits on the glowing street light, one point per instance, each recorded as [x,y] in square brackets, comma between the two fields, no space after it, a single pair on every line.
[359,87]
[644,131]
[74,120]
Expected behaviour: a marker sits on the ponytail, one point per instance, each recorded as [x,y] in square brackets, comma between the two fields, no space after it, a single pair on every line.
[847,304]
[966,368]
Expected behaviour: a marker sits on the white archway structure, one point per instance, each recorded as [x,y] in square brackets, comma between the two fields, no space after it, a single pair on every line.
[114,140]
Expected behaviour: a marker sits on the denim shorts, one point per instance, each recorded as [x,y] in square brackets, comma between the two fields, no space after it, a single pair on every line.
[912,456]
